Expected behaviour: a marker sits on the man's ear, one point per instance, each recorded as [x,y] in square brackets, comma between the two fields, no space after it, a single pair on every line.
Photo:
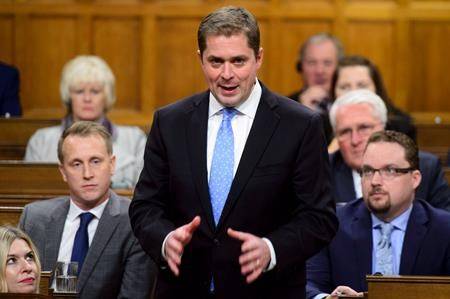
[62,171]
[113,164]
[417,178]
[200,56]
[259,57]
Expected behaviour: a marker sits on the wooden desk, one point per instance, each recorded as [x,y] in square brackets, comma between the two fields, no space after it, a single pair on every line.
[44,291]
[19,177]
[10,215]
[15,132]
[411,287]
[434,138]
[435,135]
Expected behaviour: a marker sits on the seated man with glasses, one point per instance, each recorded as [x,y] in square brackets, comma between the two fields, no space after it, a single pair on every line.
[389,231]
[354,117]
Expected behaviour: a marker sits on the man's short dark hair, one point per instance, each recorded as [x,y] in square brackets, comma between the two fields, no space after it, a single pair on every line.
[85,129]
[411,150]
[228,21]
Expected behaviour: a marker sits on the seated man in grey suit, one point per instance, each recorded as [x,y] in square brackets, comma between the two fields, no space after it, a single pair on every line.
[354,117]
[389,231]
[91,226]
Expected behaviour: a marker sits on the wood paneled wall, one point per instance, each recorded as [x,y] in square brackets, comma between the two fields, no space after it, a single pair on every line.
[151,47]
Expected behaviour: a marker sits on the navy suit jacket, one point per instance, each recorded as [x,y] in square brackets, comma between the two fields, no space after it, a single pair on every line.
[281,191]
[9,91]
[348,258]
[433,187]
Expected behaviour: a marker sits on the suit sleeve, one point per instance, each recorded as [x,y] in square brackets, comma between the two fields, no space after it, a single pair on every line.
[10,101]
[23,218]
[318,275]
[313,223]
[439,191]
[139,273]
[148,209]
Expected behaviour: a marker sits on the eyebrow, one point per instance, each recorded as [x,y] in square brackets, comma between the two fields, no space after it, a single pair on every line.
[14,255]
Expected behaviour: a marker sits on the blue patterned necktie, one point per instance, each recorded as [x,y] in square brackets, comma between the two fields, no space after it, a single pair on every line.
[81,242]
[221,173]
[383,254]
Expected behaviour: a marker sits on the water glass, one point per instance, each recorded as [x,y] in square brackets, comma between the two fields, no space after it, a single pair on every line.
[66,277]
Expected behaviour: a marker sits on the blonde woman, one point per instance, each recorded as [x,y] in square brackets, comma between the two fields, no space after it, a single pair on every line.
[20,269]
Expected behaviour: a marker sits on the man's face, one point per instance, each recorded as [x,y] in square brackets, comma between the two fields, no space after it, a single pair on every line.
[87,169]
[388,197]
[354,125]
[319,64]
[230,68]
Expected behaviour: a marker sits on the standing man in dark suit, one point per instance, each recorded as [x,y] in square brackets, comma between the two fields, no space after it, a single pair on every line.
[9,91]
[354,117]
[390,231]
[235,193]
[91,226]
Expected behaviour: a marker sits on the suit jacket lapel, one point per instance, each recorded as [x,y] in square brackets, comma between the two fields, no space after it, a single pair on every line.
[264,124]
[196,136]
[105,229]
[415,232]
[362,242]
[53,231]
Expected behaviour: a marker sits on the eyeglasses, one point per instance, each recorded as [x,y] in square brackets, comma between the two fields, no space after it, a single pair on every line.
[387,173]
[362,130]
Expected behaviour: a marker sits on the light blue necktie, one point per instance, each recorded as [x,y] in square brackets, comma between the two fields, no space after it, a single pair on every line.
[383,254]
[221,173]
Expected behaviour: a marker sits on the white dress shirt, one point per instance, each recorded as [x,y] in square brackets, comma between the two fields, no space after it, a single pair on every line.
[241,123]
[357,183]
[71,226]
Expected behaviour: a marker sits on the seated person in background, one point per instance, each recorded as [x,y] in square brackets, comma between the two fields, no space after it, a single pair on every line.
[354,117]
[9,91]
[389,231]
[356,72]
[88,91]
[318,58]
[20,269]
[91,226]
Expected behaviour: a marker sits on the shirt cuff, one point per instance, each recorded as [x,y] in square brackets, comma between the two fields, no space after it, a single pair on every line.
[321,296]
[163,254]
[273,258]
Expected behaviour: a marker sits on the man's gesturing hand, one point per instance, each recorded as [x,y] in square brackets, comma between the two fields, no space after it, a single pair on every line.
[255,254]
[176,241]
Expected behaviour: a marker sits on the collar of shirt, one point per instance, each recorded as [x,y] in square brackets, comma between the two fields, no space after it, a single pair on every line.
[357,183]
[75,211]
[248,107]
[400,222]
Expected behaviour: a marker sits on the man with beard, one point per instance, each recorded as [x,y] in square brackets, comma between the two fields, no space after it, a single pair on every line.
[354,117]
[388,231]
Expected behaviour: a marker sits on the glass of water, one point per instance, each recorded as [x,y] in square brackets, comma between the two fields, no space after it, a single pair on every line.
[66,277]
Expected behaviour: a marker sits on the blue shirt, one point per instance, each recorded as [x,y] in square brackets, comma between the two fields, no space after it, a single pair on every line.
[397,236]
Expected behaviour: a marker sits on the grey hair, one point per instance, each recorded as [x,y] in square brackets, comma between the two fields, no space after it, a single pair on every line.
[359,96]
[319,38]
[87,68]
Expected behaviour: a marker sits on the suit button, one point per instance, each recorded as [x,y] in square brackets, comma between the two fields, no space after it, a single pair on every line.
[216,242]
